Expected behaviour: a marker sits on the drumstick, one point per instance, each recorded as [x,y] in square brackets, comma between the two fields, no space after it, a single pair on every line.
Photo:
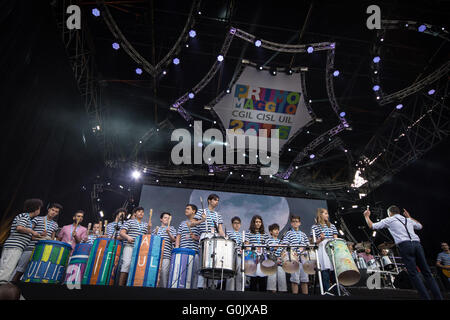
[89,227]
[150,219]
[106,223]
[168,225]
[203,208]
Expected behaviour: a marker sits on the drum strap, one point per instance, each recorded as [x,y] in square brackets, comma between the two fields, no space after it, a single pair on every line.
[404,224]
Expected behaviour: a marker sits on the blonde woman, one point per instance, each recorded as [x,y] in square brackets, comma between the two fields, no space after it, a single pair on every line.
[324,230]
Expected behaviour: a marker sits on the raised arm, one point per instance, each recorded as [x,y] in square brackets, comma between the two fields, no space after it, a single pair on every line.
[367,217]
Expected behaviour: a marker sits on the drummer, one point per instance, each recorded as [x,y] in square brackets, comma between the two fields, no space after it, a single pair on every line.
[95,233]
[323,230]
[74,233]
[188,237]
[213,218]
[277,281]
[119,216]
[131,229]
[256,235]
[296,237]
[47,227]
[366,255]
[19,237]
[235,283]
[168,234]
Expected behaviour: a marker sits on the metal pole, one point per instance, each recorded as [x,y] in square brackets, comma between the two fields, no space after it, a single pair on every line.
[242,262]
[319,274]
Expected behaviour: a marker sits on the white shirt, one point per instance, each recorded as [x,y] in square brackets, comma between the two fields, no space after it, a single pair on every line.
[396,226]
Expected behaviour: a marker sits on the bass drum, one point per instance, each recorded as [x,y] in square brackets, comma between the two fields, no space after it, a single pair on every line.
[217,255]
[346,270]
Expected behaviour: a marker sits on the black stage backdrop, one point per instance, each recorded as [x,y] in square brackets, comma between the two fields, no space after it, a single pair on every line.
[43,153]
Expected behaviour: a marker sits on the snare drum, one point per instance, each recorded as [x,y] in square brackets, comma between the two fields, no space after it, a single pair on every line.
[361,263]
[346,270]
[101,268]
[268,264]
[77,263]
[182,268]
[309,261]
[250,262]
[290,261]
[372,264]
[218,258]
[48,262]
[146,261]
[387,263]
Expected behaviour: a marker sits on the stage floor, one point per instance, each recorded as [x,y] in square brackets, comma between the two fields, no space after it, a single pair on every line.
[36,291]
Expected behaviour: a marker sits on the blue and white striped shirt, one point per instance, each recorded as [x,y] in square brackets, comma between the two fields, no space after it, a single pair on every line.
[168,244]
[257,238]
[211,218]
[237,237]
[39,225]
[293,237]
[186,240]
[274,241]
[111,228]
[16,239]
[134,229]
[329,232]
[91,238]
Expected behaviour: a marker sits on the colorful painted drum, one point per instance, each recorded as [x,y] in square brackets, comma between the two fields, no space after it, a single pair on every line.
[250,262]
[101,268]
[182,269]
[146,261]
[77,263]
[48,262]
[346,270]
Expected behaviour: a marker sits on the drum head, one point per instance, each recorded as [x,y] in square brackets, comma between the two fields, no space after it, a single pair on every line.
[268,268]
[309,267]
[349,278]
[291,266]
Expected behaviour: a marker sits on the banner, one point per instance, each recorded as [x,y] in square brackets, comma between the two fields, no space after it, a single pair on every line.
[259,100]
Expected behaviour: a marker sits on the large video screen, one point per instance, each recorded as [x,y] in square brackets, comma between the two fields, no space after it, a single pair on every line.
[273,209]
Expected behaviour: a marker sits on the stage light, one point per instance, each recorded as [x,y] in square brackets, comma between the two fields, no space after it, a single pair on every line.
[342,114]
[191,95]
[289,149]
[422,28]
[341,232]
[376,87]
[312,156]
[231,172]
[176,61]
[258,43]
[228,91]
[354,206]
[399,106]
[242,175]
[375,72]
[96,12]
[138,70]
[374,234]
[432,91]
[378,98]
[376,59]
[179,182]
[200,12]
[259,177]
[260,67]
[164,72]
[382,39]
[136,174]
[290,71]
[187,45]
[157,180]
[310,49]
[296,167]
[220,58]
[120,186]
[345,150]
[98,199]
[192,33]
[101,213]
[115,46]
[214,122]
[336,73]
[140,141]
[129,216]
[273,72]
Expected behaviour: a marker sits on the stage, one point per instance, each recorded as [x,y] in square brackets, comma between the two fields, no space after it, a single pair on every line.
[36,291]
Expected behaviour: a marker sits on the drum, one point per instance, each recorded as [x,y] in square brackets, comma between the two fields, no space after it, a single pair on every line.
[48,262]
[361,263]
[77,263]
[250,262]
[387,263]
[289,261]
[101,268]
[182,269]
[217,255]
[146,261]
[268,264]
[309,261]
[346,270]
[372,264]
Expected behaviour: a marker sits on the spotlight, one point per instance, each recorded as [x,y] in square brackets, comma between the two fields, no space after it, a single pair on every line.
[228,91]
[176,61]
[191,95]
[101,213]
[399,106]
[422,28]
[289,149]
[290,71]
[376,87]
[432,91]
[273,72]
[341,232]
[120,186]
[231,172]
[115,46]
[136,174]
[157,180]
[164,72]
[336,73]
[214,122]
[342,114]
[312,156]
[310,49]
[376,59]
[378,97]
[374,234]
[187,45]
[376,71]
[258,43]
[96,12]
[138,70]
[179,182]
[260,67]
[199,12]
[192,33]
[220,58]
[382,39]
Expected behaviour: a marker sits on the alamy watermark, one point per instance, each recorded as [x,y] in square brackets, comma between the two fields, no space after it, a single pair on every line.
[236,142]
